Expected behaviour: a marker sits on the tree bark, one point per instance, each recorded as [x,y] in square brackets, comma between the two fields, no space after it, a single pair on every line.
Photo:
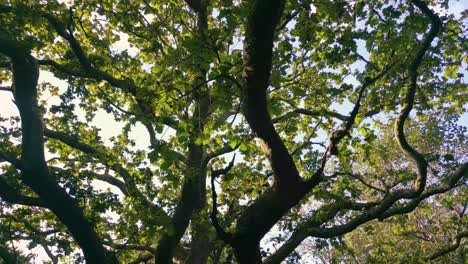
[35,172]
[248,251]
[288,188]
[195,177]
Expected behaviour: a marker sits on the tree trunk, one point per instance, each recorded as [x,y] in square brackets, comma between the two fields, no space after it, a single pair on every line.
[248,252]
[202,236]
[194,188]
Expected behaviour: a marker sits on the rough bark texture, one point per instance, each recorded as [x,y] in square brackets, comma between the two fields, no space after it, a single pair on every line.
[289,188]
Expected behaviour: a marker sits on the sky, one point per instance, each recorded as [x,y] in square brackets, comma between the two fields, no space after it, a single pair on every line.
[109,127]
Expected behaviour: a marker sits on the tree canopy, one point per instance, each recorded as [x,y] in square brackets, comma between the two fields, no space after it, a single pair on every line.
[262,131]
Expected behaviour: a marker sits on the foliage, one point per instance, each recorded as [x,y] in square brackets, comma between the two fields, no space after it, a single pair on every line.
[231,131]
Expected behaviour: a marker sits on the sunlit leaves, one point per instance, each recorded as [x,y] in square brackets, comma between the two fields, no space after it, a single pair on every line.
[323,52]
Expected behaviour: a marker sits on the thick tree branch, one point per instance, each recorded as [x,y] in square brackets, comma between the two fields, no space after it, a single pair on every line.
[257,65]
[35,172]
[258,48]
[111,180]
[373,210]
[67,69]
[322,215]
[10,195]
[416,157]
[447,184]
[338,135]
[103,156]
[259,217]
[74,142]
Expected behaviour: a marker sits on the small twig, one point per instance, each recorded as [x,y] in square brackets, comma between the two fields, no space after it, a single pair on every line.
[126,242]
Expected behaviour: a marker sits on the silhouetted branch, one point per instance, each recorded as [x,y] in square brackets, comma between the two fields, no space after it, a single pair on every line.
[226,237]
[449,248]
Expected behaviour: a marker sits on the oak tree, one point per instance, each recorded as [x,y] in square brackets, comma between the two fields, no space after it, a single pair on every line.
[224,131]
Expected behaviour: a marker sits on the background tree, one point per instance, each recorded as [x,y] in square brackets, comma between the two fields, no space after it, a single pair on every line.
[434,231]
[338,113]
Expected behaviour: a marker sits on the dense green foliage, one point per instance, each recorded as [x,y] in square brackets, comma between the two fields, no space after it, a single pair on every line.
[231,131]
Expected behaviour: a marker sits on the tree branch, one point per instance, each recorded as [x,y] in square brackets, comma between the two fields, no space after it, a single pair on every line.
[449,248]
[384,208]
[303,111]
[67,69]
[102,177]
[226,237]
[10,195]
[92,71]
[416,157]
[261,25]
[35,172]
[142,258]
[370,186]
[39,236]
[338,135]
[323,214]
[6,89]
[224,150]
[103,155]
[8,157]
[135,247]
[373,210]
[7,256]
